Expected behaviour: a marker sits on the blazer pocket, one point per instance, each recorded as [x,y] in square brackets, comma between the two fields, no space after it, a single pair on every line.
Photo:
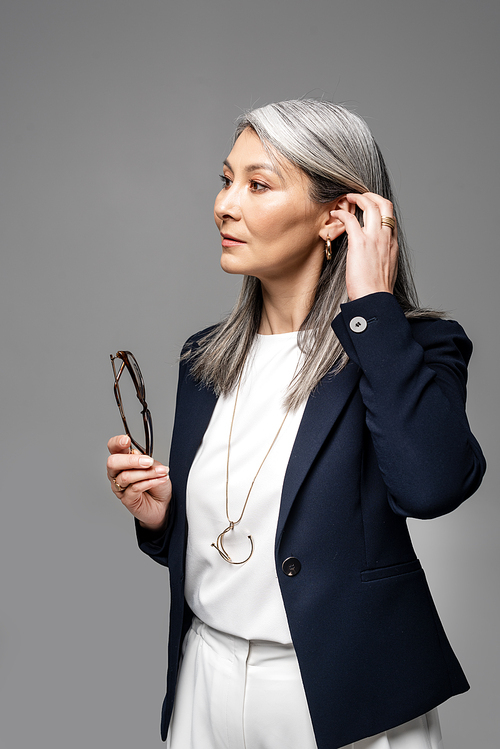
[381,573]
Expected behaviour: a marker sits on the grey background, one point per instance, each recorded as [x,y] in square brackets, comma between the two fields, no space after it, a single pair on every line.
[115,116]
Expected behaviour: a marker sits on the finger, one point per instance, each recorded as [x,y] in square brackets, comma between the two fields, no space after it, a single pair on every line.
[127,478]
[374,207]
[371,211]
[130,494]
[147,493]
[394,237]
[119,462]
[351,223]
[368,199]
[119,444]
[116,487]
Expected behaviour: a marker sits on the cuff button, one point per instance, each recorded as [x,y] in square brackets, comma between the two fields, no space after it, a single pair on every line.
[358,324]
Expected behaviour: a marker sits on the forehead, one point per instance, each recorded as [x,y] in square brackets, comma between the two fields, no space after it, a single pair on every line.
[249,142]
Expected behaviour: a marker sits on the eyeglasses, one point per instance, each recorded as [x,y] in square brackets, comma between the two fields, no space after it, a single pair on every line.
[129,364]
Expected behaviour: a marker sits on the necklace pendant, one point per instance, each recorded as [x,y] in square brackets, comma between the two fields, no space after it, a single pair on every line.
[219,545]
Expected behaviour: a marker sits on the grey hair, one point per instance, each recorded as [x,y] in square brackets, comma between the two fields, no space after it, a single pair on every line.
[336,150]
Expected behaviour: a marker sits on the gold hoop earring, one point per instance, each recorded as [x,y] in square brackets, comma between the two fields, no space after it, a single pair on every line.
[328,248]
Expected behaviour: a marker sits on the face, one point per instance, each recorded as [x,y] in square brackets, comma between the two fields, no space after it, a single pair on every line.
[268,223]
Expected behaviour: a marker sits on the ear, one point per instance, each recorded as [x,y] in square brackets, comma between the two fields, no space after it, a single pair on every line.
[332,227]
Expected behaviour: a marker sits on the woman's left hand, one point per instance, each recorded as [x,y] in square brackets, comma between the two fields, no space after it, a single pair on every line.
[372,256]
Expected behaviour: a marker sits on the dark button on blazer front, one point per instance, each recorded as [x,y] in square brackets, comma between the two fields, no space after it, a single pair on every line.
[291,566]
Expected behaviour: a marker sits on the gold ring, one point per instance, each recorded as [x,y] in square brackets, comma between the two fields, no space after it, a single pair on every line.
[388,221]
[120,488]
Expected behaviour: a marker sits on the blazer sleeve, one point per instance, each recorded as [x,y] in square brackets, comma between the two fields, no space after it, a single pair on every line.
[153,543]
[413,385]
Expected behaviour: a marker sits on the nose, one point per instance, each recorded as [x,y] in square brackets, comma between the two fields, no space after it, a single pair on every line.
[227,206]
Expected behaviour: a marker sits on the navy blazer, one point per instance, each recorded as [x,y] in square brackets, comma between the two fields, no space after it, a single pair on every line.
[385,439]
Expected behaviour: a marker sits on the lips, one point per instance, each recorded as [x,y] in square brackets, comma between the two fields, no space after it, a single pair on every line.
[230,241]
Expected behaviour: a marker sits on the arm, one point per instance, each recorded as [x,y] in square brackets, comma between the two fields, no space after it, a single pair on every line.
[413,386]
[414,374]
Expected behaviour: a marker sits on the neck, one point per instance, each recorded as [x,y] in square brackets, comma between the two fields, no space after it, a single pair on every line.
[284,309]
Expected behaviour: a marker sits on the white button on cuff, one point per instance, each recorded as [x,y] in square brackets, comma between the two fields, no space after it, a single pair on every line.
[358,324]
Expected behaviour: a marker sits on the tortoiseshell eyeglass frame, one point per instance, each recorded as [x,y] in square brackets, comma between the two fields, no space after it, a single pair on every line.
[129,363]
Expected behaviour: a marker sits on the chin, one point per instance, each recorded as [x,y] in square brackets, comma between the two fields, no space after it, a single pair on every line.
[230,264]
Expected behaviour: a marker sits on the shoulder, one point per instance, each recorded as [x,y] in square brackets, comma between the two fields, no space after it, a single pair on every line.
[194,340]
[434,333]
[190,356]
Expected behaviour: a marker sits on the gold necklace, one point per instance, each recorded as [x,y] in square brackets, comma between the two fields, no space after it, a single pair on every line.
[219,544]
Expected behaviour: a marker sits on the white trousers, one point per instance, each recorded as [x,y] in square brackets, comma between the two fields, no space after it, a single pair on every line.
[238,694]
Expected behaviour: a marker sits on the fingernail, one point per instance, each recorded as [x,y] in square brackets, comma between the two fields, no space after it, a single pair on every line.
[146,462]
[161,470]
[123,441]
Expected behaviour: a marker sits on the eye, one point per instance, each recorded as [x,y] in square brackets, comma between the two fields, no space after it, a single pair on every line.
[257,186]
[226,182]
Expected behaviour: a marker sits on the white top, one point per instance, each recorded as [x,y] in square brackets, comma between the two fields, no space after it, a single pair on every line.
[245,599]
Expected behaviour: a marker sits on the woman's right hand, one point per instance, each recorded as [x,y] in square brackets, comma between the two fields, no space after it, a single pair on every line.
[140,483]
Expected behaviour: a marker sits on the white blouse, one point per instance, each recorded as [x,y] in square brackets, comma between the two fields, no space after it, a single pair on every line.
[243,599]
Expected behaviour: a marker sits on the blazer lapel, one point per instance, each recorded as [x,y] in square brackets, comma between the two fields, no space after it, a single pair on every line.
[191,424]
[322,410]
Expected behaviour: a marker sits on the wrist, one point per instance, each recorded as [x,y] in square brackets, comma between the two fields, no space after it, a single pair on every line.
[359,293]
[155,527]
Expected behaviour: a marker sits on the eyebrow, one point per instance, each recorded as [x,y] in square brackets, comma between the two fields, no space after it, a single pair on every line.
[256,167]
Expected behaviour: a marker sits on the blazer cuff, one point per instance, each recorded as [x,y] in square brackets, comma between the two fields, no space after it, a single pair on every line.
[153,543]
[371,323]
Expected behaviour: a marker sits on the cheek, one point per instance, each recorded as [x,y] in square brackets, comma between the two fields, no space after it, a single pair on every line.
[270,223]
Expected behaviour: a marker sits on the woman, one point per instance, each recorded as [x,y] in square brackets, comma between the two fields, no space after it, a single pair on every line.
[309,425]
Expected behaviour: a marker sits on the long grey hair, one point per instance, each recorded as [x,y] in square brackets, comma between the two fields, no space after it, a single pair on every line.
[337,151]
